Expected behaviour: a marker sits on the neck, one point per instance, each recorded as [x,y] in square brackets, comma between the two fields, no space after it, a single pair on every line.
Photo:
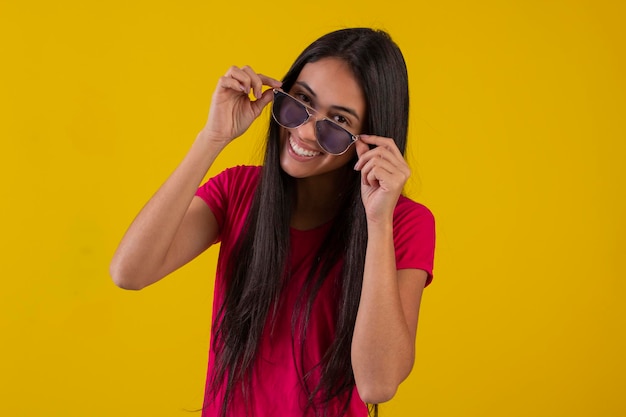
[317,200]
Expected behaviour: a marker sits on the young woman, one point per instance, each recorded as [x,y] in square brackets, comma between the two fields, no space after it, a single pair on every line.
[322,260]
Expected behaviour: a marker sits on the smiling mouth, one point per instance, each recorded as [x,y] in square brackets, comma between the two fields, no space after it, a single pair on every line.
[301,151]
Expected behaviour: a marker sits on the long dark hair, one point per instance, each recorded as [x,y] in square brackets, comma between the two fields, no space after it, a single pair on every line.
[259,265]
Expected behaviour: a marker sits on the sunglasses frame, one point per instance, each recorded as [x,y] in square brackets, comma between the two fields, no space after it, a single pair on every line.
[311,112]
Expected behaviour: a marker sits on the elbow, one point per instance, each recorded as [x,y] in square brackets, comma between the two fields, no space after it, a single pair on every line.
[124,279]
[378,385]
[376,393]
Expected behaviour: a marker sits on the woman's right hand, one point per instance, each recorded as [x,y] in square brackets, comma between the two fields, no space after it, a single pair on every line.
[174,226]
[232,110]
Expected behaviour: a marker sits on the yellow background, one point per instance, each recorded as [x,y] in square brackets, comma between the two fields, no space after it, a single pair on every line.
[518,147]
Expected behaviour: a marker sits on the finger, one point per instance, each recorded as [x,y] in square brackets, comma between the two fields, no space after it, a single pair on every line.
[389,155]
[241,76]
[395,167]
[259,104]
[386,169]
[365,179]
[255,81]
[381,177]
[374,176]
[269,81]
[383,142]
[227,82]
[379,152]
[361,148]
[378,164]
[364,153]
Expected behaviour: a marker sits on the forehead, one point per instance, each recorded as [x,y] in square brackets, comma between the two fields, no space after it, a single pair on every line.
[334,84]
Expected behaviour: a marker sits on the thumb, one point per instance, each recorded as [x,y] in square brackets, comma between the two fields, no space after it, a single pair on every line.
[361,147]
[259,104]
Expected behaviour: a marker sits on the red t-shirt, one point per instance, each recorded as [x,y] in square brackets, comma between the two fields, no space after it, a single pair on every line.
[276,383]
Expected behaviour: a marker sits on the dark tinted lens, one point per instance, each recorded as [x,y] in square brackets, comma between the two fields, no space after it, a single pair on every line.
[288,112]
[332,137]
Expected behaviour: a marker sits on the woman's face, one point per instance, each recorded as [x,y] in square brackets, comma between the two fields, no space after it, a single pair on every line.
[329,87]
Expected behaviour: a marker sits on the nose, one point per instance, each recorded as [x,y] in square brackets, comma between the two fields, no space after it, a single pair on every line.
[306,131]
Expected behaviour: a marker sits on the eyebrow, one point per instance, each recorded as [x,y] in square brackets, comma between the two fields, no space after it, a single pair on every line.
[341,108]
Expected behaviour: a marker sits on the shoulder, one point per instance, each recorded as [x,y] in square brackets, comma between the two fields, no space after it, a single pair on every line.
[233,185]
[231,179]
[414,236]
[240,174]
[408,210]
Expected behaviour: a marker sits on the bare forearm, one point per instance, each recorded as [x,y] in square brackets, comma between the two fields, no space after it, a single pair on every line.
[140,255]
[383,345]
[172,229]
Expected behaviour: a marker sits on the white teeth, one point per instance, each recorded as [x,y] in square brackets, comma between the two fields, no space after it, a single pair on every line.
[301,151]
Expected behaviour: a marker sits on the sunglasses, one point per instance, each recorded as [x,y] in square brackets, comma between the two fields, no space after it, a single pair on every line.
[289,112]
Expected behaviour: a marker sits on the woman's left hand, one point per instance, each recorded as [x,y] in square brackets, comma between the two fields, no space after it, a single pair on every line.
[383,175]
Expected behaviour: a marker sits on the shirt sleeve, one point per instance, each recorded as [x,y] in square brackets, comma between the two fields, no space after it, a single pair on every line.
[414,237]
[229,196]
[214,192]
